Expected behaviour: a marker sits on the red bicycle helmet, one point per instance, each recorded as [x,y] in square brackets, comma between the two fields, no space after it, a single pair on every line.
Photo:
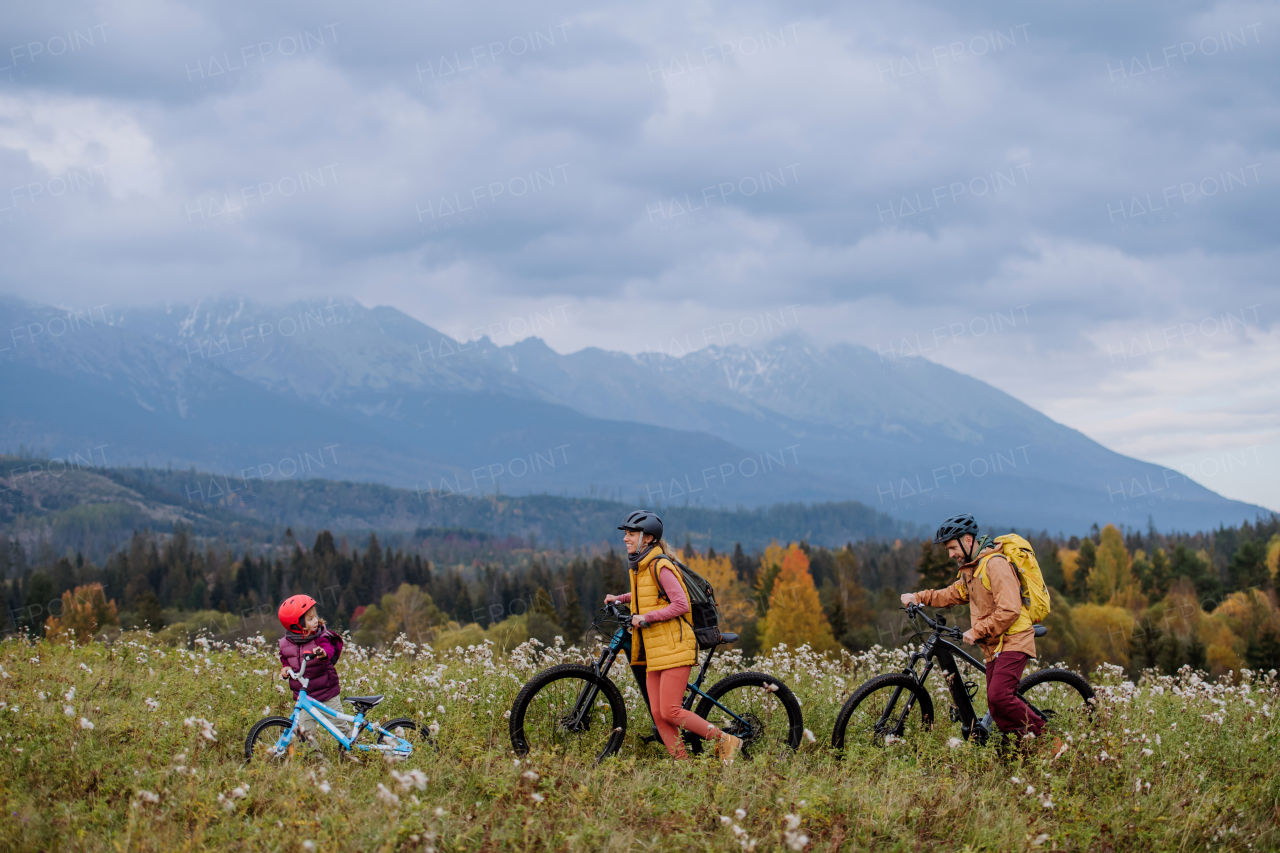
[292,611]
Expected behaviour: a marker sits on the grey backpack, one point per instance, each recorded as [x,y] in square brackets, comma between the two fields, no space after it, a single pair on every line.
[703,613]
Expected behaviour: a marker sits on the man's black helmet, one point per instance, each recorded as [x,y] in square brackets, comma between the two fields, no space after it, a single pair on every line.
[645,522]
[955,527]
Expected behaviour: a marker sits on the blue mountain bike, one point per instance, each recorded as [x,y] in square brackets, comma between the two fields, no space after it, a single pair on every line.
[275,738]
[574,710]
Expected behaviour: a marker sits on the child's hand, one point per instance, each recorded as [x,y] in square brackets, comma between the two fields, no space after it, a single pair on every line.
[284,672]
[320,652]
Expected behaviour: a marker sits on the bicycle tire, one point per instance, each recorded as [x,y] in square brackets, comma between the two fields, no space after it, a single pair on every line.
[761,707]
[867,692]
[413,733]
[256,743]
[1061,707]
[555,708]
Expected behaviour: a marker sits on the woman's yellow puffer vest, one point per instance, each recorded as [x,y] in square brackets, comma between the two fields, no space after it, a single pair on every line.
[664,645]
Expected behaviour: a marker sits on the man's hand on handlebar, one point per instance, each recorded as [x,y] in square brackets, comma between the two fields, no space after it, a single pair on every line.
[970,638]
[909,598]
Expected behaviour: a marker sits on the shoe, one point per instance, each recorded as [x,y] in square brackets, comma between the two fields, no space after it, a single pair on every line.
[727,747]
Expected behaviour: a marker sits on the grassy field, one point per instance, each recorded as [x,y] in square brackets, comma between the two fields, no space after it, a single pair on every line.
[96,753]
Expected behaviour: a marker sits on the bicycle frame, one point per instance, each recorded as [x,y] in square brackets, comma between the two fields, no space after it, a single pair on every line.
[945,653]
[936,647]
[605,663]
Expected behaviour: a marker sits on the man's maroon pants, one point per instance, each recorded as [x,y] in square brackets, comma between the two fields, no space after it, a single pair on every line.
[1008,710]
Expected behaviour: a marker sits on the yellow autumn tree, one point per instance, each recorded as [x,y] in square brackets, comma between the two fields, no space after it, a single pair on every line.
[795,614]
[1068,559]
[732,595]
[85,612]
[1111,578]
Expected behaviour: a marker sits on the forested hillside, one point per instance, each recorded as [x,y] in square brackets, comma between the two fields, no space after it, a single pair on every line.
[1138,599]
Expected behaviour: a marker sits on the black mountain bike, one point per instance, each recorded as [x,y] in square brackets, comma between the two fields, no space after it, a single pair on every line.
[574,710]
[897,705]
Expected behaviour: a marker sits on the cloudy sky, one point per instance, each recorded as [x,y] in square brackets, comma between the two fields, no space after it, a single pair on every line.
[1075,202]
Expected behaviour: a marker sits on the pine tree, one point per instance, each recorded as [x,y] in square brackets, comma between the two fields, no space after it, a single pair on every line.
[742,565]
[770,566]
[937,568]
[1248,567]
[1084,565]
[795,614]
[571,617]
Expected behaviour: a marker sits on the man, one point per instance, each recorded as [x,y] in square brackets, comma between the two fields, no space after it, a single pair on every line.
[1001,624]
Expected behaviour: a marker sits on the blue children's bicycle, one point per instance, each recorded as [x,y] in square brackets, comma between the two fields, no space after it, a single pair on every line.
[273,738]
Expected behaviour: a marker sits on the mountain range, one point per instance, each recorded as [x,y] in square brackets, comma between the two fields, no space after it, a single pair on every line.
[335,390]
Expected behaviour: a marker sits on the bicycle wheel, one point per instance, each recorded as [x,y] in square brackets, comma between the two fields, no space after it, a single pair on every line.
[891,705]
[408,729]
[1063,698]
[262,739]
[568,710]
[768,720]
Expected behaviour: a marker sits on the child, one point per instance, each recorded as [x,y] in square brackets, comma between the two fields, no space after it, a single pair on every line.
[306,634]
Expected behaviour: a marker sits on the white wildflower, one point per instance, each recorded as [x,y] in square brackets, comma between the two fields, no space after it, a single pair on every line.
[152,704]
[531,775]
[86,724]
[536,797]
[86,669]
[440,710]
[69,710]
[1146,753]
[385,795]
[955,743]
[309,846]
[148,797]
[725,819]
[740,814]
[1040,840]
[412,779]
[325,787]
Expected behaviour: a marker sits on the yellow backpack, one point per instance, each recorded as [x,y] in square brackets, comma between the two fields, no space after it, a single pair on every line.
[1035,593]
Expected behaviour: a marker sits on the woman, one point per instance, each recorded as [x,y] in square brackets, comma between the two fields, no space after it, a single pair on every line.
[666,644]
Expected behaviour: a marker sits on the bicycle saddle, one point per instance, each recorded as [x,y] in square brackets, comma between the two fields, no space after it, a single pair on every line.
[366,701]
[728,637]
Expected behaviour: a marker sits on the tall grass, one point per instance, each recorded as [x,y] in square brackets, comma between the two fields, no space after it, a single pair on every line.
[138,746]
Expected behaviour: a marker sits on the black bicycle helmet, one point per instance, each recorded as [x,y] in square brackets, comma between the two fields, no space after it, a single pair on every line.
[645,522]
[955,527]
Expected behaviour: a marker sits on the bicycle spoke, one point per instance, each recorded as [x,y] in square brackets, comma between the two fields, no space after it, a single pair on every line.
[879,714]
[756,715]
[568,717]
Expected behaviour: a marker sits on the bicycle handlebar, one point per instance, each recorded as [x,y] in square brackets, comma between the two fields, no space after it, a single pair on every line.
[939,624]
[298,675]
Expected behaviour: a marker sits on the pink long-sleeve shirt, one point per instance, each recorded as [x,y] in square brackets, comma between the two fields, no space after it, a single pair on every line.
[675,594]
